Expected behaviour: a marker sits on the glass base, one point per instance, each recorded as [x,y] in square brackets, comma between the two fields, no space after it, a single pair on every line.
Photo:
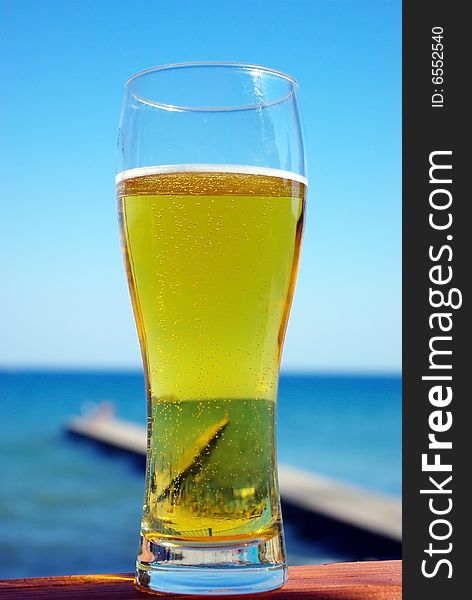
[222,569]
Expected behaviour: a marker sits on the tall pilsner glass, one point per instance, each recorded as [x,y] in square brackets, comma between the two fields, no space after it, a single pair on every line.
[211,193]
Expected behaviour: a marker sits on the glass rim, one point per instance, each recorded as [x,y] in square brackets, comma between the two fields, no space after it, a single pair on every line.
[291,81]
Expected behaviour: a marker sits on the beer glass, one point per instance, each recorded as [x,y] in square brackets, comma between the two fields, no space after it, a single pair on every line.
[211,193]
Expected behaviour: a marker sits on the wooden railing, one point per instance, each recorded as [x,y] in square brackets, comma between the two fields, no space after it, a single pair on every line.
[379,580]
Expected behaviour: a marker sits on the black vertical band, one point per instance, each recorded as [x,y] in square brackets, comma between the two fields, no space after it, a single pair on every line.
[437,259]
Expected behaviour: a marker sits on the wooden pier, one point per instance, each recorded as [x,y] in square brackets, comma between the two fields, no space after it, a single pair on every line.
[374,513]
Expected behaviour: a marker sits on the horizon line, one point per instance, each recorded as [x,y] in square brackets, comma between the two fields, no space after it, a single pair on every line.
[139,371]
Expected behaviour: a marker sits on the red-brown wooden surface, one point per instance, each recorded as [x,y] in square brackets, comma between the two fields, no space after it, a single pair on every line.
[341,581]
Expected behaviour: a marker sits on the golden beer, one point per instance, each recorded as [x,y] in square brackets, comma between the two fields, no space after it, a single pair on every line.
[211,256]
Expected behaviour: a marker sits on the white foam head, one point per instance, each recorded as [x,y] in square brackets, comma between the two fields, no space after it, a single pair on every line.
[203,168]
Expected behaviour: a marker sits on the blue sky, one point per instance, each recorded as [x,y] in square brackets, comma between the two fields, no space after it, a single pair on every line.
[64,300]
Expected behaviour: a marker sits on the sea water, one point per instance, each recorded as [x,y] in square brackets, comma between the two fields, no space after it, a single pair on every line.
[67,506]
